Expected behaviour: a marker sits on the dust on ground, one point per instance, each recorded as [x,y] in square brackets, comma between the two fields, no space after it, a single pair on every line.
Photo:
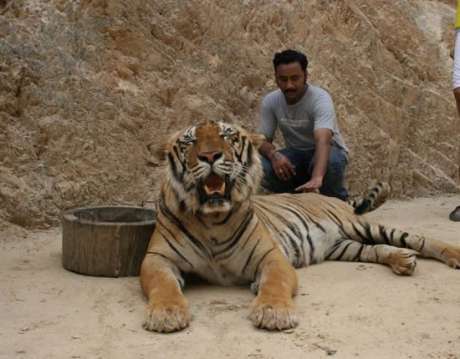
[346,310]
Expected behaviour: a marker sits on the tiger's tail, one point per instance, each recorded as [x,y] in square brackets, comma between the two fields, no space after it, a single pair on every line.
[374,197]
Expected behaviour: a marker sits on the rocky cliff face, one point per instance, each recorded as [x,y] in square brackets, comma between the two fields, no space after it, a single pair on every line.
[88,89]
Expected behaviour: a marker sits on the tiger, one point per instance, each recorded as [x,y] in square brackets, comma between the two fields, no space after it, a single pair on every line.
[212,221]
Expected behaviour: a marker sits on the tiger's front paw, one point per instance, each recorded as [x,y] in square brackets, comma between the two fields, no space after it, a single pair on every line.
[167,318]
[276,315]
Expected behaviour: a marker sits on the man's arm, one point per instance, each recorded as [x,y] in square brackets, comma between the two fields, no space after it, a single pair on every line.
[268,124]
[267,150]
[324,122]
[323,138]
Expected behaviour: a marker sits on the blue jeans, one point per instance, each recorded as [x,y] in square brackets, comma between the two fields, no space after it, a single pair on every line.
[333,182]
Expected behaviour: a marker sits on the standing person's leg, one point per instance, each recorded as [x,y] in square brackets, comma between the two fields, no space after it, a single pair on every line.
[455,214]
[456,71]
[334,180]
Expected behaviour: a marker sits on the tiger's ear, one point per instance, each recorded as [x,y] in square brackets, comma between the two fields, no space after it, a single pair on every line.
[159,151]
[257,139]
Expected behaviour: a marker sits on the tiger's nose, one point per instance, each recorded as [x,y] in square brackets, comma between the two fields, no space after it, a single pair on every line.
[210,157]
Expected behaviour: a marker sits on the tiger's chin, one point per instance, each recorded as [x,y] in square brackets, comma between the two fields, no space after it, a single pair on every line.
[215,207]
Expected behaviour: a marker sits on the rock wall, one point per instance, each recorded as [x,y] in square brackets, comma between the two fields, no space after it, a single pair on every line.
[89,88]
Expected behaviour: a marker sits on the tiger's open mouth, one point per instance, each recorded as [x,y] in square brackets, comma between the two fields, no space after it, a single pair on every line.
[214,185]
[214,189]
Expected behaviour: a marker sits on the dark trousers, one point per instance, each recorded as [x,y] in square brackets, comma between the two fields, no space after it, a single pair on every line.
[333,182]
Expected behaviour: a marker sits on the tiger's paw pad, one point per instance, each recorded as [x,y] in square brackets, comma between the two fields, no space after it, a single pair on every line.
[403,262]
[273,316]
[167,319]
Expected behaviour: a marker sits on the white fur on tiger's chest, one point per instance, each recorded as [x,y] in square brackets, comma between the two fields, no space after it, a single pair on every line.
[220,274]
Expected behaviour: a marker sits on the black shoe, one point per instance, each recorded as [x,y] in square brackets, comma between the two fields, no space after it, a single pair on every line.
[455,215]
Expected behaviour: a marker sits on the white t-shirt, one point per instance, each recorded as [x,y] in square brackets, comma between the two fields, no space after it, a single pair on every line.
[297,122]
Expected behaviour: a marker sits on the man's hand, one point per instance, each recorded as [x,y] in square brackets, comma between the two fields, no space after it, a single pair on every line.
[323,138]
[311,186]
[283,168]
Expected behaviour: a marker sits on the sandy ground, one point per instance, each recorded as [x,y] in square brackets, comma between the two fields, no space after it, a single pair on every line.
[346,310]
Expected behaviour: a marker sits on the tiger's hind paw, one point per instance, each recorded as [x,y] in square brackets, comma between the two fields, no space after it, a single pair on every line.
[453,263]
[451,257]
[273,316]
[403,261]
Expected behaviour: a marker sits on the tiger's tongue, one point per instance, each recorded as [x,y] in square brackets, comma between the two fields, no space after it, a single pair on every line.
[214,184]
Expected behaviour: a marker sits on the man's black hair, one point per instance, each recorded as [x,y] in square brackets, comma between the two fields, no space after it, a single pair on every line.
[289,56]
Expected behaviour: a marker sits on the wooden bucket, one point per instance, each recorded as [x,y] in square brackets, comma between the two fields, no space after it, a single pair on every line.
[106,241]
